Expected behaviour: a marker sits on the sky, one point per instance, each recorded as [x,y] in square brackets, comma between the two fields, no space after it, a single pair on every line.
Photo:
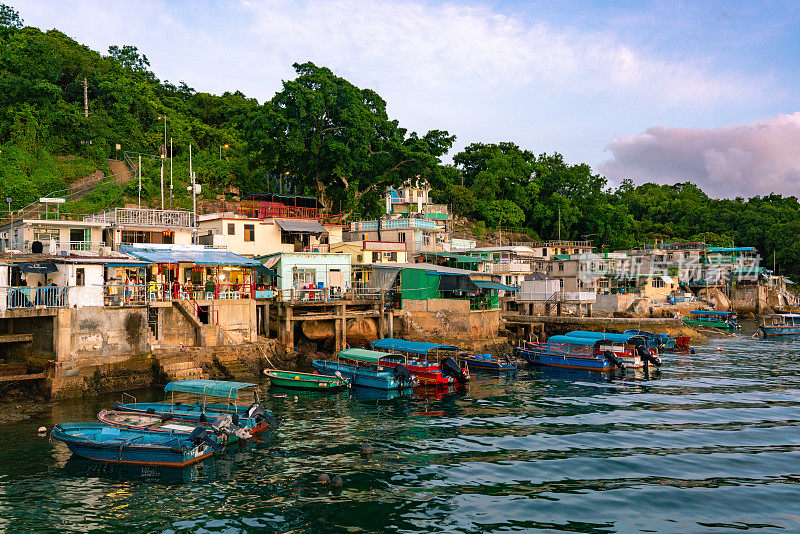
[666,91]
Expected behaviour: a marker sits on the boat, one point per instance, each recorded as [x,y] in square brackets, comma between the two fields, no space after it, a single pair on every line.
[780,324]
[661,342]
[631,350]
[568,353]
[222,427]
[487,362]
[432,363]
[308,381]
[96,441]
[253,418]
[715,319]
[364,368]
[593,351]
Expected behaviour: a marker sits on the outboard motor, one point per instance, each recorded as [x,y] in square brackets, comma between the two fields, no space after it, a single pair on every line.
[256,411]
[647,356]
[451,368]
[402,374]
[613,360]
[272,421]
[223,424]
[200,435]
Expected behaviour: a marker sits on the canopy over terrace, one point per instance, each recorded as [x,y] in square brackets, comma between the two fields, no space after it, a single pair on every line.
[196,271]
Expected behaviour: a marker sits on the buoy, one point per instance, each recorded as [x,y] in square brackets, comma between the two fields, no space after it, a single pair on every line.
[719,349]
[336,482]
[42,429]
[691,351]
[323,479]
[295,398]
[366,449]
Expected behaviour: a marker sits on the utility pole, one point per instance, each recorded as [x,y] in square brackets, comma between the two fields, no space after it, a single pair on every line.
[163,158]
[140,181]
[85,99]
[170,173]
[559,224]
[194,195]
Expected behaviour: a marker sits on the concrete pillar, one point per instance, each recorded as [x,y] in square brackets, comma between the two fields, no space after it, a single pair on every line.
[558,309]
[343,319]
[289,325]
[381,318]
[589,309]
[390,320]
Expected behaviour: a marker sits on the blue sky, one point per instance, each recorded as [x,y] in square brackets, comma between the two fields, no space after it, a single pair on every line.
[666,91]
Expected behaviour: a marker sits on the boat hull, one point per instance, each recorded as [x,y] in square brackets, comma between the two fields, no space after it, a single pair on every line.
[157,423]
[713,324]
[564,361]
[770,331]
[491,365]
[195,413]
[360,376]
[306,381]
[101,443]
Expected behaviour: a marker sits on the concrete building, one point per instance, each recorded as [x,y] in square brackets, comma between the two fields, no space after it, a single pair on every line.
[310,275]
[419,235]
[412,199]
[128,226]
[54,235]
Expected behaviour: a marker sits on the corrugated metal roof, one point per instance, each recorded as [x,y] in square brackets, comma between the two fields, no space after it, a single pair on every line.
[486,284]
[198,257]
[301,226]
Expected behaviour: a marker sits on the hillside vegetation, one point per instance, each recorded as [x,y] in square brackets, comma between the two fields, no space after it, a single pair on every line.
[328,138]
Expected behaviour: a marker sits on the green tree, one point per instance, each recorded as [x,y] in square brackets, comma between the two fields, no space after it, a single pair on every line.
[337,141]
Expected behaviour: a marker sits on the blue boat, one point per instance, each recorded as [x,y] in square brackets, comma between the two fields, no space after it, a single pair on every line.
[252,418]
[364,368]
[567,352]
[632,350]
[103,443]
[661,342]
[432,363]
[780,324]
[487,362]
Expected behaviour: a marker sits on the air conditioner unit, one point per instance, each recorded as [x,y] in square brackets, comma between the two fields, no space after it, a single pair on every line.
[3,235]
[105,252]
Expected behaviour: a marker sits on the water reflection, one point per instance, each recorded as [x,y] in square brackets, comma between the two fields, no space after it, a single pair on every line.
[709,444]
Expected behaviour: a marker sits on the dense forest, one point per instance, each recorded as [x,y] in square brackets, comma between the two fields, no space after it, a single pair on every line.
[322,135]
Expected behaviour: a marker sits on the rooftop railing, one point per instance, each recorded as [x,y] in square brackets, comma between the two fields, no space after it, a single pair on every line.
[143,217]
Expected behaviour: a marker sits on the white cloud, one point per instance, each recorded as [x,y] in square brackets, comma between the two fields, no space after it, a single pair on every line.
[752,159]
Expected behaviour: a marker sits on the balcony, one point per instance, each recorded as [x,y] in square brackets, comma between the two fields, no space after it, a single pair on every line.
[143,217]
[21,297]
[57,247]
[508,267]
[392,224]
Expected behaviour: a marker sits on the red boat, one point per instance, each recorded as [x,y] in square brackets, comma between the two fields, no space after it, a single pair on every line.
[415,356]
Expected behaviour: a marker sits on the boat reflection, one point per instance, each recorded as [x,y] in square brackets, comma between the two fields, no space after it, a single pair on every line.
[373,394]
[82,467]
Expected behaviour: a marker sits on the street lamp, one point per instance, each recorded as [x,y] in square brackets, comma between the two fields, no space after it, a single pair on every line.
[225,146]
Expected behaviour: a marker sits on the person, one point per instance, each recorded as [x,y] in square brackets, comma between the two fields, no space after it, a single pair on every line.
[50,293]
[128,289]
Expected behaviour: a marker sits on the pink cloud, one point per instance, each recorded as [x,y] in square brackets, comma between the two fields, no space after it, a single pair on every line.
[741,160]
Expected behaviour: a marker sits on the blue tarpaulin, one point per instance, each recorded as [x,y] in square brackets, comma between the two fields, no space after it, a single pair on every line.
[198,257]
[413,347]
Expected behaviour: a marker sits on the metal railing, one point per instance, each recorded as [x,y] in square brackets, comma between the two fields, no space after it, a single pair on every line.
[55,247]
[17,297]
[143,217]
[329,294]
[139,294]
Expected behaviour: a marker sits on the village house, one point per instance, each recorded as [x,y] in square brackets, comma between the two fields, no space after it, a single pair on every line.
[266,224]
[55,235]
[412,199]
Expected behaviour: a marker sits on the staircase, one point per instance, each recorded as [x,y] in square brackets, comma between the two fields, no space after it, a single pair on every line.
[191,315]
[178,366]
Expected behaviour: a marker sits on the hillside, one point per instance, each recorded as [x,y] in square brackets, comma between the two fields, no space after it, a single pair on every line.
[325,137]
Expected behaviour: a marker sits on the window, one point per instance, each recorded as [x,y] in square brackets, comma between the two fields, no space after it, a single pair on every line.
[657,282]
[304,278]
[401,237]
[286,238]
[364,237]
[376,257]
[544,252]
[686,255]
[135,236]
[393,256]
[46,234]
[249,233]
[231,229]
[80,276]
[560,267]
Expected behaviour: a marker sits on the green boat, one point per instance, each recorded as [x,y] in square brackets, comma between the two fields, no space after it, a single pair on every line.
[292,379]
[714,319]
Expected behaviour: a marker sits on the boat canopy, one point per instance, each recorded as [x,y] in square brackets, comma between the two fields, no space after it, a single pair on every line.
[212,388]
[363,355]
[412,347]
[571,340]
[794,315]
[619,338]
[711,312]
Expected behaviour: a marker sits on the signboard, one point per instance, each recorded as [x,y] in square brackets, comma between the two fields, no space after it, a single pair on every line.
[49,200]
